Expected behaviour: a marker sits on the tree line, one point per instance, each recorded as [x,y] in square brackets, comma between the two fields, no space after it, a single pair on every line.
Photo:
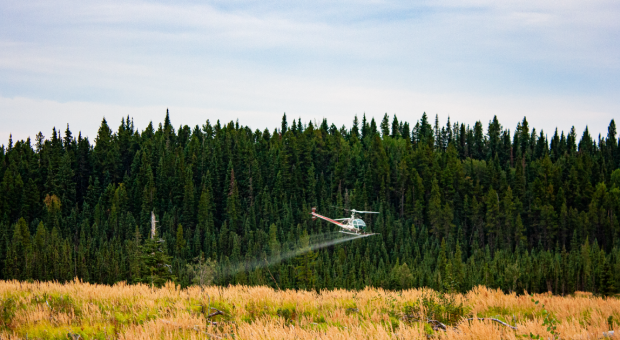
[459,205]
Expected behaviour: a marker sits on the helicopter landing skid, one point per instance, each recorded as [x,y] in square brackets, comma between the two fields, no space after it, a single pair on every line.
[358,234]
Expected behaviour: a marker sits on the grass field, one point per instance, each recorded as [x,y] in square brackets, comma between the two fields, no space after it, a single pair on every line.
[84,311]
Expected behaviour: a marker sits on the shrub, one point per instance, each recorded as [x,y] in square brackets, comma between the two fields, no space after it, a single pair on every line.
[8,307]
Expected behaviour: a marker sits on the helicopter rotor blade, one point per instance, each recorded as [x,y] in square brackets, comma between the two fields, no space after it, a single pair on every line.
[345,209]
[366,212]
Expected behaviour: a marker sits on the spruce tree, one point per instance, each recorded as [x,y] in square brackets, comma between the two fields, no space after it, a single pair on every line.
[607,283]
[156,263]
[306,264]
[506,201]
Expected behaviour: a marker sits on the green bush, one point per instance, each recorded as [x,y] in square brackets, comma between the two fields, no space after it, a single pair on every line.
[63,304]
[436,306]
[8,307]
[289,315]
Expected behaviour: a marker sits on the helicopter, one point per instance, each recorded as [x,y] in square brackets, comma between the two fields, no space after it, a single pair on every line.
[350,225]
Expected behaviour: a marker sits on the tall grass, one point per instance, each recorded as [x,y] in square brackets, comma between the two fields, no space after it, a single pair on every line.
[48,310]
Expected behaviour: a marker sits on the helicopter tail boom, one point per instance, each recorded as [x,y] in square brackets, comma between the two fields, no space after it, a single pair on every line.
[315,216]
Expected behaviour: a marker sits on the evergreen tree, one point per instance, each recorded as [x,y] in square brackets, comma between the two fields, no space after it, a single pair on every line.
[19,253]
[306,264]
[517,212]
[155,262]
[385,126]
[607,281]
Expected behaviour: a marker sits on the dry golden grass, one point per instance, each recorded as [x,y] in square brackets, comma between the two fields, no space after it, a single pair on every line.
[50,310]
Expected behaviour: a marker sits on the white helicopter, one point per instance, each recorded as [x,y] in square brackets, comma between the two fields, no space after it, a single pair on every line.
[350,225]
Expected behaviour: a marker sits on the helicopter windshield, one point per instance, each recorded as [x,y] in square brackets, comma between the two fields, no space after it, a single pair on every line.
[358,223]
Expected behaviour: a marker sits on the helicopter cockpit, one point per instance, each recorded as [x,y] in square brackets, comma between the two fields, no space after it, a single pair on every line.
[359,224]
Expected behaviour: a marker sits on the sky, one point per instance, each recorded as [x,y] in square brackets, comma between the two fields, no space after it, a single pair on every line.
[74,62]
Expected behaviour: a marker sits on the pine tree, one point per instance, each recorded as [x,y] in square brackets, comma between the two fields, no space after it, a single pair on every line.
[188,200]
[442,262]
[284,127]
[180,241]
[607,283]
[458,269]
[233,204]
[435,212]
[19,254]
[103,153]
[306,264]
[401,276]
[156,263]
[492,225]
[478,142]
[65,184]
[355,130]
[11,188]
[39,252]
[489,193]
[396,128]
[82,258]
[385,125]
[507,217]
[612,145]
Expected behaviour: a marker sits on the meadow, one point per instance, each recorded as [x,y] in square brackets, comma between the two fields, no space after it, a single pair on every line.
[76,310]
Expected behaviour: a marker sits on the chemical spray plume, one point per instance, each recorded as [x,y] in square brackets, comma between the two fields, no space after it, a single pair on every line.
[319,241]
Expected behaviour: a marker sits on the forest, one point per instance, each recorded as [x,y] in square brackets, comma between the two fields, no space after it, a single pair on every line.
[460,206]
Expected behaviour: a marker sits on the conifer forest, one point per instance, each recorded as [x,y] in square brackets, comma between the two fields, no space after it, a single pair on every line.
[460,206]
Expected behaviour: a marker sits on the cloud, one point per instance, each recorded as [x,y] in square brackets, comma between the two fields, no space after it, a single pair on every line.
[472,59]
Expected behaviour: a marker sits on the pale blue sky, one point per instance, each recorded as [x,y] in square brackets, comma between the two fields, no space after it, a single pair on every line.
[558,63]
